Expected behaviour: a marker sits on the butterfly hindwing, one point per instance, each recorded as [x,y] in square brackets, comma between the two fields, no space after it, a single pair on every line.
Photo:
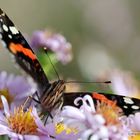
[22,52]
[128,105]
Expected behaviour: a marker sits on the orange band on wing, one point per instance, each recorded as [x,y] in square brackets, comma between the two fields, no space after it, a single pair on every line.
[19,48]
[102,98]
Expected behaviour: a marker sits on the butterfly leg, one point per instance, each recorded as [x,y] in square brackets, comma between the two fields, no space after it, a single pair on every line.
[27,103]
[48,115]
[36,100]
[37,95]
[45,116]
[58,105]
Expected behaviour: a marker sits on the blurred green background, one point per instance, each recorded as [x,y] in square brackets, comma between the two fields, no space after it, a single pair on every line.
[104,34]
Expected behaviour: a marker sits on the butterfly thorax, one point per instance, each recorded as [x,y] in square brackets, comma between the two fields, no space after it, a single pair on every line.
[52,97]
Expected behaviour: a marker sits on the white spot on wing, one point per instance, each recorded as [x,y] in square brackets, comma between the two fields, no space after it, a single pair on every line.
[128,100]
[10,36]
[13,30]
[135,107]
[5,28]
[125,106]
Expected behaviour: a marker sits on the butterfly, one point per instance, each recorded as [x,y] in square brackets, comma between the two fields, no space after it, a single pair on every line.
[51,95]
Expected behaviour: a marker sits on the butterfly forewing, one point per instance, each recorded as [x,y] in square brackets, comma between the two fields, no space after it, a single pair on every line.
[23,54]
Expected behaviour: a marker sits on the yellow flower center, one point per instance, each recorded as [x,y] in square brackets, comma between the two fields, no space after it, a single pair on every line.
[60,127]
[7,95]
[111,112]
[22,122]
[134,137]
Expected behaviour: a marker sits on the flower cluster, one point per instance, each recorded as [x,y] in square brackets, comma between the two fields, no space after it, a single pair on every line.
[19,121]
[102,123]
[91,121]
[53,42]
[19,124]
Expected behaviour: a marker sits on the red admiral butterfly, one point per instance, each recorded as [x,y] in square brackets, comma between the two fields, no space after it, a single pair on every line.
[51,95]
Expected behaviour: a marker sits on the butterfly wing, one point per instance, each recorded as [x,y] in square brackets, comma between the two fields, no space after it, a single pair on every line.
[127,104]
[22,52]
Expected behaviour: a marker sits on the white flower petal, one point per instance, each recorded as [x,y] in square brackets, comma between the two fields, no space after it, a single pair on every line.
[137,121]
[76,101]
[86,134]
[5,105]
[15,136]
[29,137]
[72,112]
[90,101]
[103,132]
[99,119]
[41,127]
[4,130]
[94,137]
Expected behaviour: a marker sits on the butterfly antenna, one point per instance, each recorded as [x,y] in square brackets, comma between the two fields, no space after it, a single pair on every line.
[45,49]
[100,82]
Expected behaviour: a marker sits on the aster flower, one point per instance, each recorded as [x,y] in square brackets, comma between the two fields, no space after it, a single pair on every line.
[15,88]
[101,123]
[21,125]
[53,42]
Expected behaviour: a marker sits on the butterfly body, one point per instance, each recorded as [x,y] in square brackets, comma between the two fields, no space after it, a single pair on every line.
[52,96]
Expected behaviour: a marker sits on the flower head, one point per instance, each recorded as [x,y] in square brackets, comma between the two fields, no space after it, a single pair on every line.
[53,42]
[20,124]
[92,122]
[111,113]
[10,87]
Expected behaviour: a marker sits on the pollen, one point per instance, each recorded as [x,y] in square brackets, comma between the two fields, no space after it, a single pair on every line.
[60,127]
[7,95]
[134,137]
[22,122]
[111,113]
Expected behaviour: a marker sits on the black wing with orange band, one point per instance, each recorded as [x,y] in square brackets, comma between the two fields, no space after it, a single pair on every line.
[128,105]
[24,55]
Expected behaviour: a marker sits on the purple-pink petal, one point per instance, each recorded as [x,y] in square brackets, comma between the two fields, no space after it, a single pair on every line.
[5,105]
[53,42]
[136,120]
[72,112]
